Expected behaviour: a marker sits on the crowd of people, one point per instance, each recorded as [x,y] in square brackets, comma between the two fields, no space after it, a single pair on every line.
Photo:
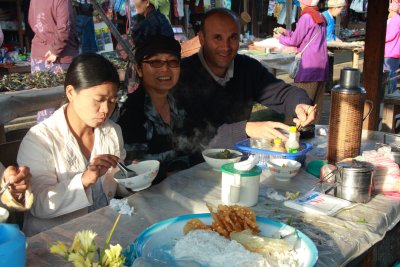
[181,106]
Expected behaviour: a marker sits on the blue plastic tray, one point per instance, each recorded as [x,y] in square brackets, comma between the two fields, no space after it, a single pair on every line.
[264,154]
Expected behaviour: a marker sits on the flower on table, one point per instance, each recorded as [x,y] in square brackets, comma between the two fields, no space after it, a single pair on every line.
[113,256]
[84,250]
[60,249]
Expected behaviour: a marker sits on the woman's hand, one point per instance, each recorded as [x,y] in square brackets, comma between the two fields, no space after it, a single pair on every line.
[278,32]
[266,129]
[50,57]
[97,168]
[20,179]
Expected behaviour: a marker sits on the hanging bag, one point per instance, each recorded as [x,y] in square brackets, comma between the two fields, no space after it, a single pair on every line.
[357,6]
[295,66]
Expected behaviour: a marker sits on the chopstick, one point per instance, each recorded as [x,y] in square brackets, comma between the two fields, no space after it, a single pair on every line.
[300,126]
[5,187]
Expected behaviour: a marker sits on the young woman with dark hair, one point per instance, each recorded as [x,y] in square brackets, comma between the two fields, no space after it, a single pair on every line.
[72,153]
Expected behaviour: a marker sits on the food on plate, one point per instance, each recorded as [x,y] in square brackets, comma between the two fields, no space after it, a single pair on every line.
[232,240]
[224,154]
[260,244]
[226,220]
[210,249]
[195,224]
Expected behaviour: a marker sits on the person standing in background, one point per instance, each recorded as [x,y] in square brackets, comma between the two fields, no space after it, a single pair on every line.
[55,43]
[335,7]
[1,36]
[313,70]
[85,26]
[151,19]
[392,47]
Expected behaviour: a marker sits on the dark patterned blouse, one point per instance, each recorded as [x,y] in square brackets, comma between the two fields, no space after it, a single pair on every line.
[147,136]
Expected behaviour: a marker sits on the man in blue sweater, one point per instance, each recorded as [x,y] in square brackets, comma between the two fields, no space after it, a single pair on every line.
[218,88]
[335,7]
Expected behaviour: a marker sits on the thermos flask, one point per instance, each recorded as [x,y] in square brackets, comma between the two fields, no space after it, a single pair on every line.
[346,116]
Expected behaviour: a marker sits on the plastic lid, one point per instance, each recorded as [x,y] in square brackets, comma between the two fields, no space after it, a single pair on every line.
[277,140]
[229,168]
[292,129]
[314,167]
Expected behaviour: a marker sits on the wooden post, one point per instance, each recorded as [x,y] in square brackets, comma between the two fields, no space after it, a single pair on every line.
[373,57]
[337,25]
[246,9]
[288,20]
[19,19]
[2,134]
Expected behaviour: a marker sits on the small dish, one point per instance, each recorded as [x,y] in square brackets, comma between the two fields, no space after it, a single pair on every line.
[283,169]
[146,172]
[212,159]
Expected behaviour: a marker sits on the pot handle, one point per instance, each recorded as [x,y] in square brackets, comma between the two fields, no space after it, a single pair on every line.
[371,103]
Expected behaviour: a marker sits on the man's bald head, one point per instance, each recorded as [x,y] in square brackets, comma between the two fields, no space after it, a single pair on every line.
[221,12]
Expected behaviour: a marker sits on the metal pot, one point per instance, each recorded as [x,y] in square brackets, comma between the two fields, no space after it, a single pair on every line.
[354,181]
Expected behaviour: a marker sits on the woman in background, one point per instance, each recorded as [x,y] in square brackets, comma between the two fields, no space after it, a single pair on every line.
[151,19]
[71,153]
[55,42]
[392,47]
[313,71]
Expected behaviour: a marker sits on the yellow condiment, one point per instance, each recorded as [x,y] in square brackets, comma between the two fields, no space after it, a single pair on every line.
[278,145]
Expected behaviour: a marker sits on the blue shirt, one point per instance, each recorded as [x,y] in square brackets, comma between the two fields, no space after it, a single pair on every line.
[330,28]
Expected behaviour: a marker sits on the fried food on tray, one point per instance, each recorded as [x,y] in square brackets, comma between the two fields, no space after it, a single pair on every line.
[195,224]
[226,220]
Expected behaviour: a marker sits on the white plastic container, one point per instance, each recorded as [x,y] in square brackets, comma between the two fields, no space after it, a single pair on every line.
[240,187]
[292,144]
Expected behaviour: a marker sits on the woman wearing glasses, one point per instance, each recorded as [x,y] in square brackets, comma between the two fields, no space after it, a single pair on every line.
[150,118]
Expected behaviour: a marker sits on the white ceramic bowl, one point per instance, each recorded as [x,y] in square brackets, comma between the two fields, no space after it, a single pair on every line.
[283,169]
[146,172]
[209,156]
[3,215]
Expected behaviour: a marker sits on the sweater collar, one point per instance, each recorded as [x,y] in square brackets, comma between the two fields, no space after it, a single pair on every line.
[219,80]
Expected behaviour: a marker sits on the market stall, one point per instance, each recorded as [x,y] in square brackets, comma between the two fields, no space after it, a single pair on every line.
[21,103]
[355,47]
[339,239]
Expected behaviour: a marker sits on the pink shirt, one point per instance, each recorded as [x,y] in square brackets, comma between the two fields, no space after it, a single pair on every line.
[1,37]
[392,42]
[52,22]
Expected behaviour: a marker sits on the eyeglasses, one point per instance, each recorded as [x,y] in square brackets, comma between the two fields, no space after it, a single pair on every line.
[173,63]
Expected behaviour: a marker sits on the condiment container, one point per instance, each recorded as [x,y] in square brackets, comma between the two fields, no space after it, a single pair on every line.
[292,144]
[240,187]
[278,145]
[12,246]
[354,181]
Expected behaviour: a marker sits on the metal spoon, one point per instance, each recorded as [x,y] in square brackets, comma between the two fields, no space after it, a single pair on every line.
[127,172]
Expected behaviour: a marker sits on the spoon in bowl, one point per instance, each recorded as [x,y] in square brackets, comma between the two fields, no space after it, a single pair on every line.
[127,172]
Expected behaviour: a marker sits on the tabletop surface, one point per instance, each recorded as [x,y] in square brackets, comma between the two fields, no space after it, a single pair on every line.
[20,103]
[338,238]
